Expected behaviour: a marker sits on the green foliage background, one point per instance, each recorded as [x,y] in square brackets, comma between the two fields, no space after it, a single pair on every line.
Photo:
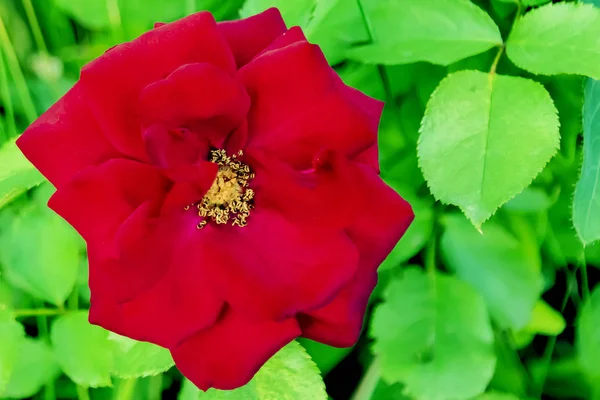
[491,130]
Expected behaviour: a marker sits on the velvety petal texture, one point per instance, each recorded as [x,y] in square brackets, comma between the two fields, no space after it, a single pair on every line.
[226,182]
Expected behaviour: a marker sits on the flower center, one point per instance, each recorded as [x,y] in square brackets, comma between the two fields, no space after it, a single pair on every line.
[229,198]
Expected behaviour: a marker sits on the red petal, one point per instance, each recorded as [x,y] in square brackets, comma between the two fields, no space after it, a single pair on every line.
[101,198]
[175,304]
[247,37]
[375,233]
[195,93]
[273,268]
[228,355]
[295,118]
[65,140]
[113,82]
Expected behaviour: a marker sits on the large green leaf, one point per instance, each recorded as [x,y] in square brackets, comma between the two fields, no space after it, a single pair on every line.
[288,375]
[11,339]
[297,12]
[587,336]
[17,175]
[586,202]
[437,31]
[484,138]
[498,265]
[336,25]
[433,334]
[40,253]
[496,396]
[82,350]
[558,38]
[35,366]
[133,359]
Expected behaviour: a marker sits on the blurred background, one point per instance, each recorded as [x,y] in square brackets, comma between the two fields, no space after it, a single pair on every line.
[540,277]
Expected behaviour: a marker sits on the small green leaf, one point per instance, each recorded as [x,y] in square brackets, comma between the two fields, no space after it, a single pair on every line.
[586,202]
[92,14]
[558,38]
[326,357]
[498,265]
[297,12]
[530,200]
[288,375]
[437,31]
[546,320]
[433,334]
[82,350]
[40,253]
[11,339]
[133,359]
[35,366]
[17,175]
[587,336]
[484,138]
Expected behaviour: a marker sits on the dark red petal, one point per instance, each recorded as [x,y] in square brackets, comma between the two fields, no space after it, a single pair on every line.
[247,37]
[326,195]
[228,355]
[65,140]
[113,82]
[195,93]
[176,304]
[101,198]
[273,268]
[191,184]
[375,233]
[295,118]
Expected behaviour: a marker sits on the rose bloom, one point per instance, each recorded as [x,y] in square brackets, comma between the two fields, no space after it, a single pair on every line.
[226,182]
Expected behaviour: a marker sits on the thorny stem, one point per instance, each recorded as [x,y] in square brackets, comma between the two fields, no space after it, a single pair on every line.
[385,80]
[369,382]
[125,390]
[82,393]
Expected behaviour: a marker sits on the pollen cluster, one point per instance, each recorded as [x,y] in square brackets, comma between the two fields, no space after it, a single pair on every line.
[229,199]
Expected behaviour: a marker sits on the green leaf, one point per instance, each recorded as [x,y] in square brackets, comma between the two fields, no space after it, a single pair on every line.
[40,253]
[288,375]
[437,31]
[586,202]
[484,138]
[530,200]
[433,334]
[587,336]
[297,12]
[546,320]
[11,338]
[133,359]
[326,357]
[35,366]
[92,14]
[82,350]
[17,175]
[496,396]
[335,26]
[558,38]
[498,265]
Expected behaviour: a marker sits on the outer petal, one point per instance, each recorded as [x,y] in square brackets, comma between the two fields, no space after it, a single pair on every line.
[375,233]
[273,269]
[247,37]
[65,140]
[297,117]
[113,82]
[101,198]
[228,355]
[177,303]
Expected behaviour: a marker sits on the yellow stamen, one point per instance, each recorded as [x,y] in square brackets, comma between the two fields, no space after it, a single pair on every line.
[229,197]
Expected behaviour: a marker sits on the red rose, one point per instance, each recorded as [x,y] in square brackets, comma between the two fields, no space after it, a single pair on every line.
[226,182]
